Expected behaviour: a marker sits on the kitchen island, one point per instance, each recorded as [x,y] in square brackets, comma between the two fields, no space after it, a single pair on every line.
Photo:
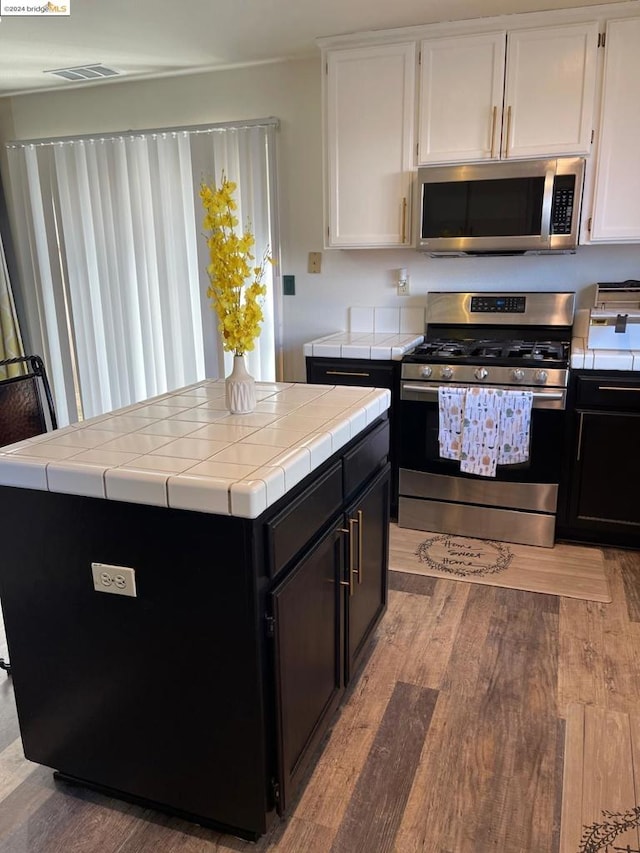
[249,558]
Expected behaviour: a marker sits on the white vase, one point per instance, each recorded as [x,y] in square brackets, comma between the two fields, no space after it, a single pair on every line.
[240,388]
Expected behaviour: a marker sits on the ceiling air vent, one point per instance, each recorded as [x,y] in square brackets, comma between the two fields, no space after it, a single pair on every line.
[85,72]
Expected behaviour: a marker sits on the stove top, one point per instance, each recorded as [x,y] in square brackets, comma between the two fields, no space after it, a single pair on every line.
[507,352]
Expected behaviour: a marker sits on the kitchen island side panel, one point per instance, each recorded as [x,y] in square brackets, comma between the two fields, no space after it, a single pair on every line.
[160,696]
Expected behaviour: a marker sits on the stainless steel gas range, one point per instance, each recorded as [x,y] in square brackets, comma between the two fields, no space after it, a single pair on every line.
[500,340]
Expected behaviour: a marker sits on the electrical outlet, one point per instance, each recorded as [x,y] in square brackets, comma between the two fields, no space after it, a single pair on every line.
[403,282]
[315,262]
[118,580]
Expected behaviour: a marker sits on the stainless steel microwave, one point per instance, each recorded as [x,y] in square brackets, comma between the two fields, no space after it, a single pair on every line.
[512,207]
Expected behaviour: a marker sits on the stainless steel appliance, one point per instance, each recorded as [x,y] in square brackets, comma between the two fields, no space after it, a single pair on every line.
[614,321]
[502,340]
[514,207]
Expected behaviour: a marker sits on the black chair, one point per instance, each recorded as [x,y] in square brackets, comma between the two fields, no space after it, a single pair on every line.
[26,408]
[26,404]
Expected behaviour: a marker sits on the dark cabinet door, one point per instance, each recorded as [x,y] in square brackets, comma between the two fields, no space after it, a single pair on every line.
[366,566]
[307,607]
[602,464]
[607,469]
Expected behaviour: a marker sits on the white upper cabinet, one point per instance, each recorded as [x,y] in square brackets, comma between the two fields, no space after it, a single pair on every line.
[369,133]
[549,90]
[616,202]
[474,108]
[461,93]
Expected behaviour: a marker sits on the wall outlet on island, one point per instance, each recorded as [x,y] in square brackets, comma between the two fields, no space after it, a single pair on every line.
[119,580]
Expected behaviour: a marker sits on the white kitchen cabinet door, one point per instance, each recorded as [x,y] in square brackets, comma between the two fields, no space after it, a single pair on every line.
[461,94]
[370,104]
[616,202]
[549,90]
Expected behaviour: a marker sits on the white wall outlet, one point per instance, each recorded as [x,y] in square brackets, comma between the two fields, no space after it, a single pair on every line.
[118,580]
[403,282]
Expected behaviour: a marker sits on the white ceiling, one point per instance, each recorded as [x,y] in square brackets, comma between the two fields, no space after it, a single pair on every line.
[152,37]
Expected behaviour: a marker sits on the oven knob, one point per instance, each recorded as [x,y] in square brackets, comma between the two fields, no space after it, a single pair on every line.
[481,372]
[518,374]
[446,372]
[426,372]
[541,376]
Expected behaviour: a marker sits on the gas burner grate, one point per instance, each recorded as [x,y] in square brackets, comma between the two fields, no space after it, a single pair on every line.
[541,351]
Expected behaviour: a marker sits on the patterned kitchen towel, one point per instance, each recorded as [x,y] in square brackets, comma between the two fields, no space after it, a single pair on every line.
[481,431]
[515,423]
[450,406]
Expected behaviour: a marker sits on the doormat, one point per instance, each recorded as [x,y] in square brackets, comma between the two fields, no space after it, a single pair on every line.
[574,571]
[601,786]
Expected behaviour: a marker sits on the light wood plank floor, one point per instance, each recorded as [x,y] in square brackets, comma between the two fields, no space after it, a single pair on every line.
[451,741]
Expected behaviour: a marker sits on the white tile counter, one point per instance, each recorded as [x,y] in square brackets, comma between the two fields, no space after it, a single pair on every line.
[584,358]
[185,450]
[375,346]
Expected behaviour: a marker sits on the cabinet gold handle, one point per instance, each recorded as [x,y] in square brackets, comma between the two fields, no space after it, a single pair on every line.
[344,373]
[360,534]
[494,119]
[404,219]
[506,140]
[350,567]
[616,388]
[580,437]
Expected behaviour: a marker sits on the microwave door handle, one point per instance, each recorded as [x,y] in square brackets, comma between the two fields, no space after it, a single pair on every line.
[547,204]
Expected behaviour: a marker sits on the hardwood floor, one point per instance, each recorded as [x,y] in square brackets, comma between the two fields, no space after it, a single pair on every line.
[451,741]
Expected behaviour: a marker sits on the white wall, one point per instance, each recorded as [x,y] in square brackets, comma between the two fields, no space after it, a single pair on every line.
[291,91]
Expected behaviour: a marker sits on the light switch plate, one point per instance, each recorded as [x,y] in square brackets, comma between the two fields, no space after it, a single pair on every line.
[315,262]
[118,580]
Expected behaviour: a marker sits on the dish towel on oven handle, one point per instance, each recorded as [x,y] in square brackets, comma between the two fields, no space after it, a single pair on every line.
[484,427]
[481,417]
[450,408]
[515,427]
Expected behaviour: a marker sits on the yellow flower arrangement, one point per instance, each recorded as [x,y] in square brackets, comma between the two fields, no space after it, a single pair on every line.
[236,289]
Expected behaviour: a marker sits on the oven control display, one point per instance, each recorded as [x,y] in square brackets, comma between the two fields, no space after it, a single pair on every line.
[498,304]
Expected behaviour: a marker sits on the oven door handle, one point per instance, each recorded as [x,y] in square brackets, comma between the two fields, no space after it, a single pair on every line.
[431,393]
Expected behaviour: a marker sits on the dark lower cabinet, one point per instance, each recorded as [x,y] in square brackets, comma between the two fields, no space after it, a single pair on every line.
[604,460]
[324,612]
[370,374]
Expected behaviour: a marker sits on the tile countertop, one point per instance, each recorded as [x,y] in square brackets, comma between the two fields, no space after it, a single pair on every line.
[597,359]
[185,450]
[369,345]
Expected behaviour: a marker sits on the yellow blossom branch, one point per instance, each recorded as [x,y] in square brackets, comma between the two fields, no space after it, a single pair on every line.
[235,287]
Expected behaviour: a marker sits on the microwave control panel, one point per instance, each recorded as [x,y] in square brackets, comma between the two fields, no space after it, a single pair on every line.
[562,205]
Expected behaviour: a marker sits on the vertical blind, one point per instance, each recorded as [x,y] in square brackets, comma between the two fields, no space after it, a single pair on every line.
[113,259]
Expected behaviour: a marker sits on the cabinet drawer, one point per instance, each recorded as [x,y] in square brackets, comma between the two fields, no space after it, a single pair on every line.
[365,459]
[620,393]
[298,523]
[339,371]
